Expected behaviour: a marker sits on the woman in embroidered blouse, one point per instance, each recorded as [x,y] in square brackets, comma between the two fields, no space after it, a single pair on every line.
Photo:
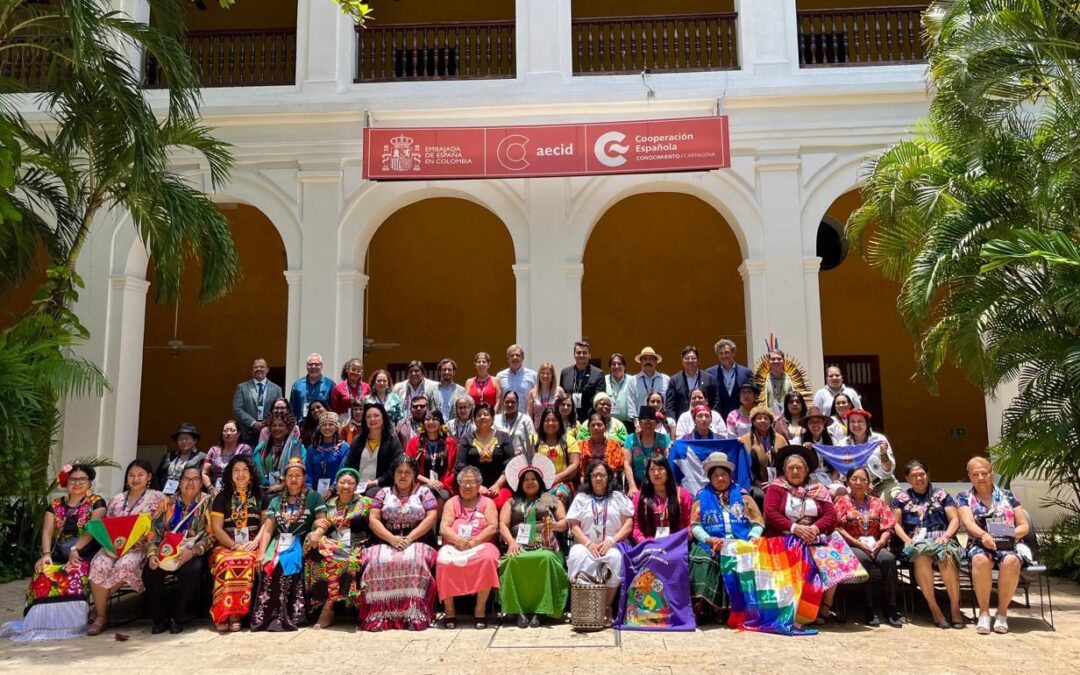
[108,574]
[435,452]
[722,510]
[544,394]
[280,405]
[866,524]
[483,388]
[235,524]
[326,454]
[515,424]
[599,518]
[280,595]
[662,507]
[927,522]
[562,450]
[738,420]
[532,574]
[381,392]
[995,523]
[462,425]
[645,443]
[398,582]
[56,599]
[351,387]
[185,514]
[468,562]
[597,446]
[488,450]
[220,455]
[336,548]
[272,455]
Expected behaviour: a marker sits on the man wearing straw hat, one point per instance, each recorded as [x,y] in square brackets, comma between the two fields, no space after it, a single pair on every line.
[647,381]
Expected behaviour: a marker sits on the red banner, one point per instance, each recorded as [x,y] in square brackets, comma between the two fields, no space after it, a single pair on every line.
[652,146]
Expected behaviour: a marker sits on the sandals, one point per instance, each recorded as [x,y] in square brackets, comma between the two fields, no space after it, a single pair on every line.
[234,625]
[326,617]
[222,627]
[96,628]
[823,614]
[450,623]
[481,622]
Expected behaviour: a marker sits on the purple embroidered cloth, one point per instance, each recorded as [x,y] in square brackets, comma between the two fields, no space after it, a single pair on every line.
[655,593]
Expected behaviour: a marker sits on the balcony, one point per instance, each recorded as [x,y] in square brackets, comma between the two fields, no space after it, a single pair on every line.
[236,58]
[666,43]
[861,36]
[28,63]
[480,50]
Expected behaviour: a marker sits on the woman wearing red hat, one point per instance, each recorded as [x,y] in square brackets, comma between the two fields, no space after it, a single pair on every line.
[880,464]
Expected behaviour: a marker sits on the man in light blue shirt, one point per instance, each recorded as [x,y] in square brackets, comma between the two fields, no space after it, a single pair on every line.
[314,387]
[449,391]
[647,381]
[517,377]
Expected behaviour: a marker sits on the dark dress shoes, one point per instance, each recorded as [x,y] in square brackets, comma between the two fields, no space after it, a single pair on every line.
[175,626]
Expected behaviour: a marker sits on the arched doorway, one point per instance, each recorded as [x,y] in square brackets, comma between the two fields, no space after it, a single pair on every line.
[441,284]
[661,269]
[860,326]
[196,385]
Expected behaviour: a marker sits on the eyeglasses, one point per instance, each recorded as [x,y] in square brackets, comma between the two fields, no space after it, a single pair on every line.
[468,483]
[418,406]
[78,481]
[191,479]
[600,475]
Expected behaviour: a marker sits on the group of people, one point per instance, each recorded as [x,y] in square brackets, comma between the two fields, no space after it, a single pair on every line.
[390,498]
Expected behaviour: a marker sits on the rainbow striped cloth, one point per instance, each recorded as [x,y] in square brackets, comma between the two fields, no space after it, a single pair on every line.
[772,583]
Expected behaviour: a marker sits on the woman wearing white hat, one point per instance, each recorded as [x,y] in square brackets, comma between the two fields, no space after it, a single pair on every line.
[722,510]
[532,574]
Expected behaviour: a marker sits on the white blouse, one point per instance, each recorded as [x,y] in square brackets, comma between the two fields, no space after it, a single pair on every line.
[600,519]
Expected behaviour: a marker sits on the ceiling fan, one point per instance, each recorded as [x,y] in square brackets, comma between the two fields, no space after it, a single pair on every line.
[371,345]
[176,345]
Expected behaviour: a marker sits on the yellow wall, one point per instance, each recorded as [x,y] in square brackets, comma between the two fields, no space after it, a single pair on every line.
[250,322]
[858,315]
[409,11]
[844,4]
[688,292]
[441,285]
[244,14]
[17,300]
[602,8]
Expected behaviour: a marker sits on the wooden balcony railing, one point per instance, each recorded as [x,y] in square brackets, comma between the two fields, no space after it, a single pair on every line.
[237,58]
[861,36]
[28,62]
[662,43]
[436,51]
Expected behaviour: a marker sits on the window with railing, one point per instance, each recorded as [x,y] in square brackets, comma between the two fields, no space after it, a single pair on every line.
[662,43]
[436,51]
[236,58]
[870,36]
[30,61]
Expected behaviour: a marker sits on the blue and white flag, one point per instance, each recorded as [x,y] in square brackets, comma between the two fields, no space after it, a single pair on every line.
[846,457]
[688,456]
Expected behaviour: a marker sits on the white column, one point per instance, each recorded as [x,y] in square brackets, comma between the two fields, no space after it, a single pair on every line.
[768,37]
[575,272]
[325,46]
[350,314]
[119,436]
[292,338]
[320,214]
[755,299]
[523,309]
[544,40]
[135,10]
[815,349]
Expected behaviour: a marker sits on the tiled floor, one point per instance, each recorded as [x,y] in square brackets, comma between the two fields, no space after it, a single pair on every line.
[918,647]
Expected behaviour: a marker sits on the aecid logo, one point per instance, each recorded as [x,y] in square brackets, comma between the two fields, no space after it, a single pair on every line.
[609,150]
[511,152]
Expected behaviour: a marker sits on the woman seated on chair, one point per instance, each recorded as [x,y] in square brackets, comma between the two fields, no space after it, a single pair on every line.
[56,600]
[926,522]
[722,510]
[532,574]
[562,449]
[468,562]
[185,515]
[599,518]
[662,507]
[107,573]
[398,582]
[488,449]
[866,524]
[611,452]
[235,523]
[336,550]
[996,524]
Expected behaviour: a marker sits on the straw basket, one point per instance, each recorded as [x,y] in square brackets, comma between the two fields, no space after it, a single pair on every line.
[588,605]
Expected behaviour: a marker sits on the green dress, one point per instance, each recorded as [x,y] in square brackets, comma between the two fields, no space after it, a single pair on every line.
[533,582]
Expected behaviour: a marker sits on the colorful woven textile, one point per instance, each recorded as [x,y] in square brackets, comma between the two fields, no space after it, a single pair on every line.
[836,562]
[234,574]
[772,584]
[119,533]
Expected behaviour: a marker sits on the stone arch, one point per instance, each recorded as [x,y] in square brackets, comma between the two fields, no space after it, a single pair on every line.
[369,210]
[720,191]
[821,194]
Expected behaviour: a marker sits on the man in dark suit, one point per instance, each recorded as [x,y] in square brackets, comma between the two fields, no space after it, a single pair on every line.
[677,398]
[583,381]
[729,377]
[252,400]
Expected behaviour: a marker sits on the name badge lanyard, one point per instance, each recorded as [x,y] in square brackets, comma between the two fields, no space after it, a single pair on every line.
[600,524]
[660,512]
[650,384]
[190,513]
